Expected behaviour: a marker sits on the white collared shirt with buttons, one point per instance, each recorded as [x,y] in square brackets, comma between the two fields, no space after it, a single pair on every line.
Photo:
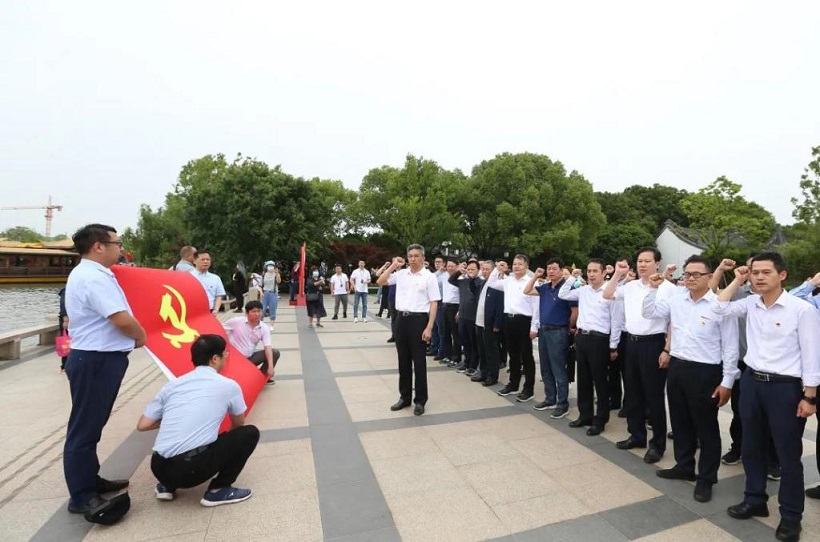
[414,291]
[449,294]
[698,334]
[360,279]
[783,339]
[92,294]
[515,301]
[339,283]
[632,293]
[594,312]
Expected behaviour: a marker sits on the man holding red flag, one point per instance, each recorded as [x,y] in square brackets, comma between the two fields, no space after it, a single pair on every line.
[188,411]
[103,333]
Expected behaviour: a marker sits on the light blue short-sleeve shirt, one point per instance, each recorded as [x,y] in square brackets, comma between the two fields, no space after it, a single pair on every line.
[192,408]
[212,284]
[92,294]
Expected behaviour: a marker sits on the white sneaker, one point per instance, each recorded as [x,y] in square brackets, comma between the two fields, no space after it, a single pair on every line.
[355,320]
[364,320]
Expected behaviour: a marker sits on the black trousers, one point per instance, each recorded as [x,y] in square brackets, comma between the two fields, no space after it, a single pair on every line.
[450,339]
[412,353]
[468,338]
[736,427]
[492,354]
[592,353]
[258,358]
[224,458]
[391,313]
[615,373]
[519,346]
[644,384]
[94,380]
[384,304]
[694,416]
[481,351]
[769,408]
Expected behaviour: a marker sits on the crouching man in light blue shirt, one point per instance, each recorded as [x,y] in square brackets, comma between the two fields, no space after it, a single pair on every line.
[188,412]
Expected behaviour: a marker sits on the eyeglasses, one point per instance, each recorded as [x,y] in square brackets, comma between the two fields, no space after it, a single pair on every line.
[695,275]
[118,243]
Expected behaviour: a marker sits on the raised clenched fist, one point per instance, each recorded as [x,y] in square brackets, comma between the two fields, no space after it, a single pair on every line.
[655,280]
[398,261]
[539,272]
[621,269]
[727,264]
[742,274]
[576,272]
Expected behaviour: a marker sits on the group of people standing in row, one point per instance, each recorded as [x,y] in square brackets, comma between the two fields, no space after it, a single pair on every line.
[683,342]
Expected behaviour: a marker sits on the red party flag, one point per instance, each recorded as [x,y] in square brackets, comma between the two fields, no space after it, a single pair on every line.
[173,308]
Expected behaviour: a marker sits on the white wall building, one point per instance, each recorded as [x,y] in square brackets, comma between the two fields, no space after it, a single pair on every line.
[676,244]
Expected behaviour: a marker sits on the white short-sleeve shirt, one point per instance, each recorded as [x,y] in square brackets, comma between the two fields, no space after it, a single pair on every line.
[338,284]
[360,279]
[414,291]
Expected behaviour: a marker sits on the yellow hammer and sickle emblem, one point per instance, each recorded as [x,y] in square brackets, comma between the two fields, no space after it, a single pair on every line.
[177,321]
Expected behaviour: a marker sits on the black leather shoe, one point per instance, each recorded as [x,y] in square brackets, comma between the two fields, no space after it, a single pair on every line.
[628,444]
[703,491]
[400,405]
[813,492]
[490,382]
[580,423]
[110,486]
[391,340]
[745,510]
[95,502]
[594,430]
[418,410]
[676,474]
[788,530]
[670,435]
[622,413]
[477,378]
[652,456]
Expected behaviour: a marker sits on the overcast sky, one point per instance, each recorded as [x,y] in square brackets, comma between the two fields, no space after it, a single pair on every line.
[101,103]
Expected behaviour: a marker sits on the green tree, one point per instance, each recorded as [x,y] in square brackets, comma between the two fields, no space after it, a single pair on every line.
[159,234]
[529,202]
[414,204]
[660,203]
[247,211]
[807,207]
[725,219]
[22,234]
[621,241]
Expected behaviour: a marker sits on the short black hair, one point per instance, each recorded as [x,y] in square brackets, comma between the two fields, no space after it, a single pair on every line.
[522,257]
[697,258]
[624,259]
[250,305]
[201,251]
[599,261]
[206,347]
[775,257]
[555,259]
[655,253]
[473,261]
[85,237]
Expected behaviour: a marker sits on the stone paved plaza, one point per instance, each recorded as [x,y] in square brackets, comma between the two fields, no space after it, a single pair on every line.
[334,463]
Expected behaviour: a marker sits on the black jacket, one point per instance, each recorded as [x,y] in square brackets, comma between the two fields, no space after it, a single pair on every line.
[493,309]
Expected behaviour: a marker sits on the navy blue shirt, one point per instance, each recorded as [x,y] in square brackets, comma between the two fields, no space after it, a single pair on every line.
[554,310]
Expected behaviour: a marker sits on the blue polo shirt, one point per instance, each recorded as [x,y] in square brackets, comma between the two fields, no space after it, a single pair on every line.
[554,310]
[192,408]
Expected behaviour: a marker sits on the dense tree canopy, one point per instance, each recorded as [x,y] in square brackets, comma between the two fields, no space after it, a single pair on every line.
[244,210]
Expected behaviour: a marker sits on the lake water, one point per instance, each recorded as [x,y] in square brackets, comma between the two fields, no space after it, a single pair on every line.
[24,306]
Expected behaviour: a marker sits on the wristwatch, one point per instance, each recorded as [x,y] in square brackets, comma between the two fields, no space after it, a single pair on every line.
[810,400]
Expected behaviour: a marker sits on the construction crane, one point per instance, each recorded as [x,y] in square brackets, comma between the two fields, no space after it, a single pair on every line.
[49,208]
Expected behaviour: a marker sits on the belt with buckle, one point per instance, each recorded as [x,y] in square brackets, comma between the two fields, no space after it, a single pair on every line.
[408,313]
[190,454]
[510,315]
[550,327]
[592,333]
[641,338]
[760,376]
